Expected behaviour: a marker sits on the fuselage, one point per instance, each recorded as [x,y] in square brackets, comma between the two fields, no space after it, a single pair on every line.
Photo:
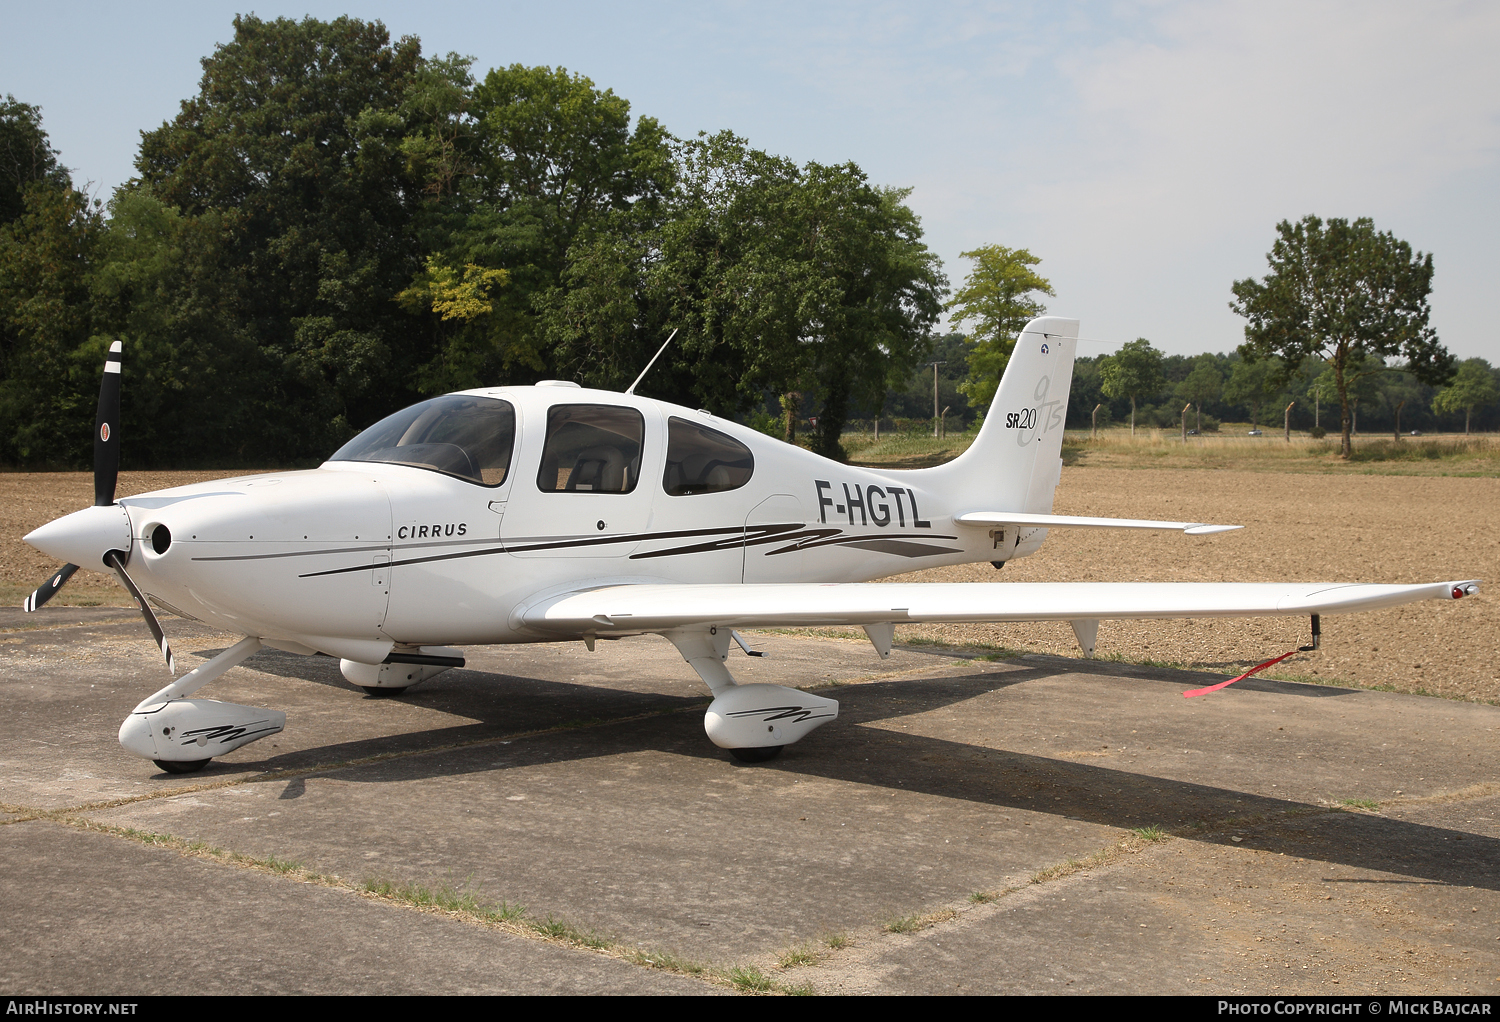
[593,488]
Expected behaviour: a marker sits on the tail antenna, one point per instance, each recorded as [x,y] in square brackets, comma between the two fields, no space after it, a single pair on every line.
[631,389]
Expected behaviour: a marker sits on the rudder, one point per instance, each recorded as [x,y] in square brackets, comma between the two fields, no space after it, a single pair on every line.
[1015,462]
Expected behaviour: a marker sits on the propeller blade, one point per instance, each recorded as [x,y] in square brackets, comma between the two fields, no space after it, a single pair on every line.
[49,588]
[107,431]
[114,560]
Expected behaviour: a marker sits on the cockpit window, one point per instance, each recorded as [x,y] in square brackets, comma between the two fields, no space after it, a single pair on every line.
[468,437]
[591,448]
[703,460]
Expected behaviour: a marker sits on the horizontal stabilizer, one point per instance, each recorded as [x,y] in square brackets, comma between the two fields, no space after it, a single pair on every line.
[632,609]
[996,519]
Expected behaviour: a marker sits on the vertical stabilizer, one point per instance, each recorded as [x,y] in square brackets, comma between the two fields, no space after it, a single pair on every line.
[1015,462]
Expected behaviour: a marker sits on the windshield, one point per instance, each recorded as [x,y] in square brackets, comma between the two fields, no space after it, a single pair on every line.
[468,437]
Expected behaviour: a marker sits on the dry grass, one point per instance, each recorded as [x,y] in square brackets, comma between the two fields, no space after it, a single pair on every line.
[1441,454]
[1298,527]
[1436,454]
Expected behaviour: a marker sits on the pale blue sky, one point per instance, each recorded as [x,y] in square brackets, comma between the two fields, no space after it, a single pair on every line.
[1145,151]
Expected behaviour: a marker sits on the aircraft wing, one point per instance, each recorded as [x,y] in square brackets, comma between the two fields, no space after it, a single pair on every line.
[654,608]
[991,519]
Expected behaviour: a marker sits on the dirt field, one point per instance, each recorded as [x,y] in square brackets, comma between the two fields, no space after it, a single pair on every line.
[1298,527]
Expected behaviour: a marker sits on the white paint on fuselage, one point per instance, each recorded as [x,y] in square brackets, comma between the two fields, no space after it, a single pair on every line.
[375,551]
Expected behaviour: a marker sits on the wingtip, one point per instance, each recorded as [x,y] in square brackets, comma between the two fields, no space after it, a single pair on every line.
[1209,530]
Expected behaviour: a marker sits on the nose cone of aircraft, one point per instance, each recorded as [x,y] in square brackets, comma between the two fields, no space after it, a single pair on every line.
[84,537]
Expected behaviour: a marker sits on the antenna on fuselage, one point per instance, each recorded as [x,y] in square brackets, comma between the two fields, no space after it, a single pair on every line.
[631,389]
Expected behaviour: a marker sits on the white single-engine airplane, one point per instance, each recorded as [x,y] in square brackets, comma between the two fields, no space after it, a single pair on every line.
[549,513]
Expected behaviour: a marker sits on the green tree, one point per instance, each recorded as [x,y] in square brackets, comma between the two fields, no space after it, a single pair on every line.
[793,280]
[441,143]
[881,292]
[997,296]
[911,398]
[200,391]
[1361,377]
[49,367]
[701,261]
[294,141]
[1252,384]
[1134,371]
[26,157]
[1203,383]
[1342,291]
[1472,387]
[556,162]
[1401,395]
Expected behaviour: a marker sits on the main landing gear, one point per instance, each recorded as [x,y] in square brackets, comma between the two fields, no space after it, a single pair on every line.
[406,668]
[764,754]
[752,722]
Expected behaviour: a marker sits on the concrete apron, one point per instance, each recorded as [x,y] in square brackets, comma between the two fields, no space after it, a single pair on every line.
[965,826]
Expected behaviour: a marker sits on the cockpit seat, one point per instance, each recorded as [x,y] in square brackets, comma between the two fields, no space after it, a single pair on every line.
[601,469]
[699,473]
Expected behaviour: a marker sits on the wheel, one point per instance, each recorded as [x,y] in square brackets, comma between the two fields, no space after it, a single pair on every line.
[382,693]
[179,766]
[764,754]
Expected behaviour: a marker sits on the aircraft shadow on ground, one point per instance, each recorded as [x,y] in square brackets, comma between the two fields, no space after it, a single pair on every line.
[1193,678]
[853,750]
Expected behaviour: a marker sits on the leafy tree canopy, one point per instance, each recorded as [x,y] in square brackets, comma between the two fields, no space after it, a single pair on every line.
[549,158]
[1345,293]
[26,157]
[1203,383]
[1134,371]
[1473,387]
[1252,384]
[997,297]
[334,226]
[294,142]
[777,278]
[47,322]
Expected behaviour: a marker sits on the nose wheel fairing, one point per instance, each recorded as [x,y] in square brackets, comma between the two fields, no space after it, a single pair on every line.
[194,730]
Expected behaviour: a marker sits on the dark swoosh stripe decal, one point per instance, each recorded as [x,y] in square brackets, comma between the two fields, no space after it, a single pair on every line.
[351,549]
[734,537]
[408,560]
[901,548]
[296,553]
[558,545]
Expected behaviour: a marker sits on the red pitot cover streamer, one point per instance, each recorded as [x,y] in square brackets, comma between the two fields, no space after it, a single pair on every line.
[1231,681]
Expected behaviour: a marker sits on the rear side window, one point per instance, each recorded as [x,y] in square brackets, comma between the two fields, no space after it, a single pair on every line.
[703,460]
[591,449]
